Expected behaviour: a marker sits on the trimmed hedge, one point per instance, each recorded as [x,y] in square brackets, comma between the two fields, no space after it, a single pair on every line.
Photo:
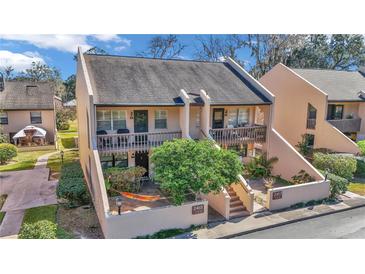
[71,170]
[361,145]
[360,168]
[340,165]
[338,185]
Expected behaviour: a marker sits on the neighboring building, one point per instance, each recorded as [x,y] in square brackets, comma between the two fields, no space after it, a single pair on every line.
[70,104]
[126,106]
[24,103]
[326,105]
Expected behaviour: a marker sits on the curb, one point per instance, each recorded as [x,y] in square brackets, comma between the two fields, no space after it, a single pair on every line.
[288,222]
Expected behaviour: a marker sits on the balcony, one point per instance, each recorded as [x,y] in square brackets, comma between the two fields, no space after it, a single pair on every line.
[238,136]
[347,125]
[110,143]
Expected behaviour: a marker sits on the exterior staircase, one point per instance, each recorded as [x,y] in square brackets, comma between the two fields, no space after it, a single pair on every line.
[237,208]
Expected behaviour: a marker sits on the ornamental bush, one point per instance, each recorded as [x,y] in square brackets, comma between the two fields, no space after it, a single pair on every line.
[185,166]
[361,145]
[260,167]
[7,152]
[340,165]
[124,179]
[338,185]
[39,230]
[74,190]
[360,168]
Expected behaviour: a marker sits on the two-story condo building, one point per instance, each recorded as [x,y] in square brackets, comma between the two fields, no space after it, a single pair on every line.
[25,103]
[328,106]
[127,106]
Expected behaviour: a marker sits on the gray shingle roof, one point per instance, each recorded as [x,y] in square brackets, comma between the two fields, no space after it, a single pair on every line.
[142,81]
[339,85]
[16,95]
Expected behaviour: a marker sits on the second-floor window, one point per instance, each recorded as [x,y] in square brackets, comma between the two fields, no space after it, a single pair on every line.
[238,117]
[36,117]
[110,120]
[3,118]
[335,112]
[160,119]
[311,117]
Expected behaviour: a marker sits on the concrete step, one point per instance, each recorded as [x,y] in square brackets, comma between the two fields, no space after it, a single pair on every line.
[235,203]
[237,208]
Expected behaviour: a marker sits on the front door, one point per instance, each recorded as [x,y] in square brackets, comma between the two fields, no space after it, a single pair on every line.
[218,118]
[141,159]
[141,125]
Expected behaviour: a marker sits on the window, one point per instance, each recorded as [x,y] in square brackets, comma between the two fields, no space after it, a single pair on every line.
[197,119]
[110,120]
[310,139]
[160,119]
[335,112]
[238,117]
[36,117]
[3,118]
[120,160]
[311,117]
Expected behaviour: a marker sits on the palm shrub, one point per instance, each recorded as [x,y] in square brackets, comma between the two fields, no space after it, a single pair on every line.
[260,166]
[185,166]
[301,178]
[7,152]
[340,165]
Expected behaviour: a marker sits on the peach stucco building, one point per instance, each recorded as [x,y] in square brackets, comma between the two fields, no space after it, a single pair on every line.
[326,105]
[127,106]
[24,103]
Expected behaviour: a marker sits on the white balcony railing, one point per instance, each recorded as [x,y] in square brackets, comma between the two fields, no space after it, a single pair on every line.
[237,136]
[110,143]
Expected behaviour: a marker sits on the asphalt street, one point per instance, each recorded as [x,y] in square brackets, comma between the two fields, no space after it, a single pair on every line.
[343,225]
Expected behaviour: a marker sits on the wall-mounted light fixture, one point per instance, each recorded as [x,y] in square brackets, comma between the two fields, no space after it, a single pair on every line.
[225,112]
[133,155]
[131,117]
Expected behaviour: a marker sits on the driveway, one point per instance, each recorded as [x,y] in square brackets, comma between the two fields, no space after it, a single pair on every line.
[24,189]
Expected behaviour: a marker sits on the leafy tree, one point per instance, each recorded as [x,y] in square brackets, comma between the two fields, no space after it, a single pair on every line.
[164,47]
[338,51]
[186,166]
[8,72]
[70,88]
[93,51]
[214,47]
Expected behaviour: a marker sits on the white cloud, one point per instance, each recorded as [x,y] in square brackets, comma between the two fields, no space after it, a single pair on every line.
[19,61]
[120,48]
[62,42]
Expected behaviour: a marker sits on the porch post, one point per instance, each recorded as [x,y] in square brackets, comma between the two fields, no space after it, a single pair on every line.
[205,115]
[185,114]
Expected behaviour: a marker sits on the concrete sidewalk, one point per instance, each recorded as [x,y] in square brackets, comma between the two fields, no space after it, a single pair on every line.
[266,219]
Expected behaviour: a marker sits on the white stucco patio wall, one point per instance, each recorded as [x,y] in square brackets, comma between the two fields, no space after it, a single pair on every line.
[291,195]
[146,222]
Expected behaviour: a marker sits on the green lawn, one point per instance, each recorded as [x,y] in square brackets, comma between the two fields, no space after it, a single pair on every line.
[66,138]
[357,187]
[24,160]
[33,215]
[54,161]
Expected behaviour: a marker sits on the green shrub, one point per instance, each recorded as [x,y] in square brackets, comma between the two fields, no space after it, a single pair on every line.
[124,179]
[301,178]
[303,146]
[340,165]
[7,152]
[39,230]
[74,190]
[360,168]
[260,167]
[361,145]
[71,170]
[62,119]
[338,185]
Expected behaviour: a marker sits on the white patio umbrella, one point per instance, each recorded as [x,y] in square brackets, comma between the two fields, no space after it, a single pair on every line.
[38,132]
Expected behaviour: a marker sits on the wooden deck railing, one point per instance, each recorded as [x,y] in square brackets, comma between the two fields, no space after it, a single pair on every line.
[134,141]
[237,136]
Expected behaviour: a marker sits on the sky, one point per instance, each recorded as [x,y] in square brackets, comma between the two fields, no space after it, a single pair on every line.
[58,50]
